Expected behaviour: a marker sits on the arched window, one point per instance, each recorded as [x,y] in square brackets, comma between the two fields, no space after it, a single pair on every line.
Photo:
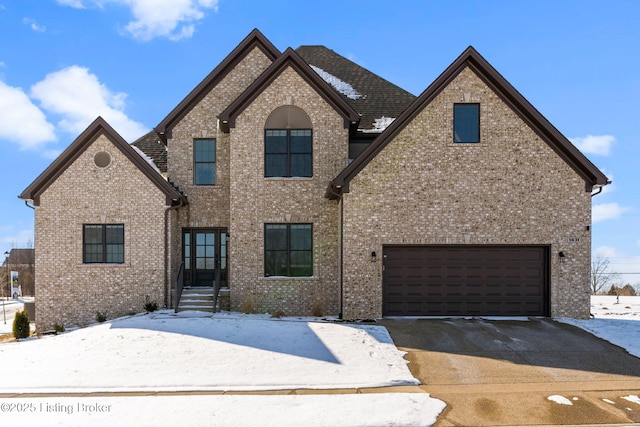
[288,143]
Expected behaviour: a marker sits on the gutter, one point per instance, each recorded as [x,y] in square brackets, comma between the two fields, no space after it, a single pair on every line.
[600,187]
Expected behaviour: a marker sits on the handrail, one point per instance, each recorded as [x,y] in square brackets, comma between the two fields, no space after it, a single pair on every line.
[179,285]
[216,285]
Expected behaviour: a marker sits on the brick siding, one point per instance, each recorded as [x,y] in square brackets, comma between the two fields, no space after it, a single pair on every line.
[511,188]
[69,292]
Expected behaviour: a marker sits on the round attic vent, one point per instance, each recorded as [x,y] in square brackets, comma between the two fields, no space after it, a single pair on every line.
[102,159]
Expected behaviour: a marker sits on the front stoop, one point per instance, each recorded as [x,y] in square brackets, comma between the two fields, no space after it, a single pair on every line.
[201,299]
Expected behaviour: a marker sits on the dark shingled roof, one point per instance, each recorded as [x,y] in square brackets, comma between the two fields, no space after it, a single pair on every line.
[99,127]
[289,58]
[471,59]
[380,98]
[20,257]
[152,146]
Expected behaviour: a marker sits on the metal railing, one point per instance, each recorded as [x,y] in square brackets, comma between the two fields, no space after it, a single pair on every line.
[216,285]
[179,285]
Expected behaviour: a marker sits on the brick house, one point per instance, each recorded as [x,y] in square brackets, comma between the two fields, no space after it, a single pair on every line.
[303,183]
[23,261]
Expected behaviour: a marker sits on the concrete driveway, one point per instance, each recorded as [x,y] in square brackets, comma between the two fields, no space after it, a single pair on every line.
[499,373]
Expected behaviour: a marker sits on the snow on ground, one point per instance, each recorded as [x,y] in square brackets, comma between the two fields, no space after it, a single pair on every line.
[188,352]
[560,400]
[165,352]
[8,310]
[386,409]
[616,320]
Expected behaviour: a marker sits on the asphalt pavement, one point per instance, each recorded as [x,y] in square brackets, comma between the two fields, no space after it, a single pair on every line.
[504,372]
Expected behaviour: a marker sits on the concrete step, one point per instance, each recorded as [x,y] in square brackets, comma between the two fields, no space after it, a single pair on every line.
[199,299]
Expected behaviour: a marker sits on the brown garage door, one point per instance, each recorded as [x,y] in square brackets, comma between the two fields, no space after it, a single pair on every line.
[465,280]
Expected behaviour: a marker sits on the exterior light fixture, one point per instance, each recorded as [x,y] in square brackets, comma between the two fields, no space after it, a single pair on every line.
[374,257]
[562,256]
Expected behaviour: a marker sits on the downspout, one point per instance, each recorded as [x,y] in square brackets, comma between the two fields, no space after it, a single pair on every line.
[341,202]
[26,202]
[166,251]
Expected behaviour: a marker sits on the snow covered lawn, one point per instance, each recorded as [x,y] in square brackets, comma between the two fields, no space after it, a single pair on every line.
[615,320]
[163,351]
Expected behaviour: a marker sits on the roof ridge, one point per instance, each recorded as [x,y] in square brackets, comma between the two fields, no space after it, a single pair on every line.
[253,39]
[98,127]
[288,58]
[493,79]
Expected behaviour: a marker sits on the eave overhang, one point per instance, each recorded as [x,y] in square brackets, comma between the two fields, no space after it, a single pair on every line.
[471,59]
[253,40]
[99,127]
[289,58]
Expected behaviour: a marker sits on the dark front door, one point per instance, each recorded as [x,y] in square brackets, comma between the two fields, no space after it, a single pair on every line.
[204,251]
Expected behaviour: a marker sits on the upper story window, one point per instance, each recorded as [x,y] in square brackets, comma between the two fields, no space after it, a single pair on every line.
[103,243]
[466,123]
[288,153]
[204,161]
[288,144]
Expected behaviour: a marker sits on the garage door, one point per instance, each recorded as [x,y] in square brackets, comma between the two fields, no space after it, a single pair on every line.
[465,280]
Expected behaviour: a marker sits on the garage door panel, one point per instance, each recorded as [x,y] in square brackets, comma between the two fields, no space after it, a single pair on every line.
[465,280]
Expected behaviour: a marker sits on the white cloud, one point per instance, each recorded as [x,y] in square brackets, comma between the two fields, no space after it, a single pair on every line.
[173,19]
[606,252]
[624,265]
[16,238]
[33,25]
[21,121]
[606,211]
[79,97]
[73,3]
[594,144]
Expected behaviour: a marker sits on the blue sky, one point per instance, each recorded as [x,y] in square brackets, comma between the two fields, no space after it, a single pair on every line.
[64,62]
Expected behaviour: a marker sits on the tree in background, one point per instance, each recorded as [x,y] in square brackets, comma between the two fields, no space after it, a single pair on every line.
[601,277]
[626,290]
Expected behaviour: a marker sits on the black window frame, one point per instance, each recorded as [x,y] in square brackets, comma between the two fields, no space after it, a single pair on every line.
[460,125]
[291,270]
[102,252]
[289,153]
[198,162]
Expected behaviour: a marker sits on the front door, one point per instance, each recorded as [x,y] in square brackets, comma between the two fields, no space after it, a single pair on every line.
[203,251]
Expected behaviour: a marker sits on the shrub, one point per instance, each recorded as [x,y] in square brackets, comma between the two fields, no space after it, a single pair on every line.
[59,328]
[248,306]
[278,314]
[149,305]
[317,309]
[21,325]
[101,317]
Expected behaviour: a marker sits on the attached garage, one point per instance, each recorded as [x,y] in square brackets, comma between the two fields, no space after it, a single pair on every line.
[465,280]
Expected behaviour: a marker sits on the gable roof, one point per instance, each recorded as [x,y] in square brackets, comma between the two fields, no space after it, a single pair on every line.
[77,147]
[373,97]
[152,145]
[20,257]
[289,58]
[253,40]
[472,59]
